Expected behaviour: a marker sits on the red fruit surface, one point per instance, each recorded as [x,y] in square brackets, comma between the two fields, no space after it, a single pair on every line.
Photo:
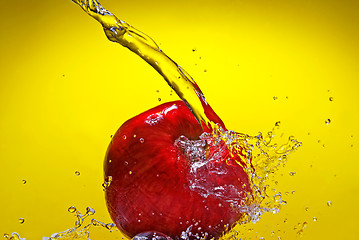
[154,186]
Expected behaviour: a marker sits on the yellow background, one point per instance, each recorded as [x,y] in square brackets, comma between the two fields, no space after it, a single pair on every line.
[65,89]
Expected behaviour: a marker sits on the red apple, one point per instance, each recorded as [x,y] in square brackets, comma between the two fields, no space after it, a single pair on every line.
[162,182]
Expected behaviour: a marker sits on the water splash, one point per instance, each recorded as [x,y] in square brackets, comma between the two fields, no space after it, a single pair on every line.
[261,157]
[81,230]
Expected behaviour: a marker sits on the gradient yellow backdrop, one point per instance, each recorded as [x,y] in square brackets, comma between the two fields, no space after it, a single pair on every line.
[65,89]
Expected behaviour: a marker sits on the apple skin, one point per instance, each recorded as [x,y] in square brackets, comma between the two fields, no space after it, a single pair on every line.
[150,188]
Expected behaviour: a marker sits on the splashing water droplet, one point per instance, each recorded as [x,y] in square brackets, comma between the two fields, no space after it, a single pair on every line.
[277,124]
[90,211]
[275,98]
[307,209]
[315,219]
[328,121]
[159,99]
[277,197]
[305,224]
[71,209]
[134,135]
[107,182]
[124,137]
[292,173]
[21,220]
[130,172]
[329,203]
[77,173]
[331,99]
[14,236]
[142,140]
[110,226]
[23,181]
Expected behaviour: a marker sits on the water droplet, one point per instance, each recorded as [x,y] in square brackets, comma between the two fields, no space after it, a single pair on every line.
[277,124]
[277,197]
[329,203]
[159,99]
[205,70]
[292,173]
[307,209]
[124,137]
[275,98]
[130,172]
[90,211]
[300,233]
[23,181]
[107,182]
[71,209]
[157,91]
[142,140]
[77,173]
[315,219]
[125,162]
[110,226]
[193,50]
[331,99]
[21,220]
[134,135]
[111,136]
[6,235]
[327,121]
